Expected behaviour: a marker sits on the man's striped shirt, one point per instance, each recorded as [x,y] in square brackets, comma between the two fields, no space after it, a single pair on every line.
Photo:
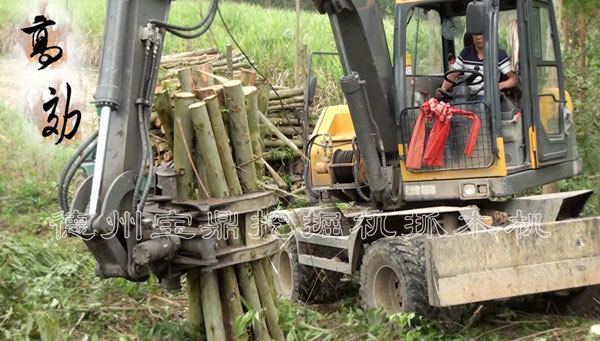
[468,59]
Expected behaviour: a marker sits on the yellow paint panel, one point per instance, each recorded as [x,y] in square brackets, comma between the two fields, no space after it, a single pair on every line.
[337,122]
[498,168]
[533,149]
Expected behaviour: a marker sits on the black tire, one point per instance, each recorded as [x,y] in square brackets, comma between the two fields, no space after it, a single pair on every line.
[302,283]
[585,301]
[393,276]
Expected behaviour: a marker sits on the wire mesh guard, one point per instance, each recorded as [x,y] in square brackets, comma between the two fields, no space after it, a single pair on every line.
[460,127]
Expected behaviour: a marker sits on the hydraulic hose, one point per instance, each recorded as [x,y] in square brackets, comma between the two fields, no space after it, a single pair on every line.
[63,183]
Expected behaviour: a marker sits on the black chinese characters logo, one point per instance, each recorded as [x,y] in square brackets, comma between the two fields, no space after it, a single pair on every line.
[39,41]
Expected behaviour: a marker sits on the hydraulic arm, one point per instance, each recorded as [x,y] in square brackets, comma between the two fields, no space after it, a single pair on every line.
[367,84]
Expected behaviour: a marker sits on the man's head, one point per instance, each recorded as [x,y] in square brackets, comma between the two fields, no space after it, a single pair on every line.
[478,40]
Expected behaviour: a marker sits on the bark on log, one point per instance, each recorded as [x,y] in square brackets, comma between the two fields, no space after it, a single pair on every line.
[183,166]
[186,79]
[222,140]
[195,314]
[164,110]
[274,129]
[266,299]
[211,306]
[207,152]
[281,143]
[252,109]
[286,93]
[209,50]
[248,77]
[289,106]
[240,133]
[250,293]
[281,121]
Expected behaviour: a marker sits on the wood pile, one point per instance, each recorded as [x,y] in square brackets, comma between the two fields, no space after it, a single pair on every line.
[207,124]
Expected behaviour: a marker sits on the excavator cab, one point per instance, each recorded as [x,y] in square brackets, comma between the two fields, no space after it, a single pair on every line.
[526,135]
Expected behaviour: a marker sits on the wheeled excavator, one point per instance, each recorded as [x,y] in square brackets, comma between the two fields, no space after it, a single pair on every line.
[438,220]
[358,153]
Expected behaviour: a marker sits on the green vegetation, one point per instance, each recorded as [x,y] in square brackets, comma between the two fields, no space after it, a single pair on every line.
[48,289]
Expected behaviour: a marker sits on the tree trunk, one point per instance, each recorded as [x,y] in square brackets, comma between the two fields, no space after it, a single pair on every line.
[183,166]
[222,140]
[240,133]
[164,109]
[582,35]
[211,306]
[196,317]
[208,151]
[186,79]
[266,299]
[252,108]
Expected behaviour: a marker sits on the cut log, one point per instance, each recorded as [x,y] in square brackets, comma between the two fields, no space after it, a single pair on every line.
[195,315]
[248,77]
[209,50]
[211,306]
[230,297]
[216,90]
[183,138]
[186,79]
[281,143]
[240,133]
[250,292]
[252,109]
[207,152]
[266,299]
[263,96]
[296,99]
[282,121]
[202,75]
[222,140]
[289,130]
[289,106]
[286,93]
[267,266]
[164,110]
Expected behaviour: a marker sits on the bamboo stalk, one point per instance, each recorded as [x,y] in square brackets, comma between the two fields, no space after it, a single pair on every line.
[182,141]
[211,306]
[185,79]
[222,140]
[207,150]
[266,299]
[240,132]
[252,109]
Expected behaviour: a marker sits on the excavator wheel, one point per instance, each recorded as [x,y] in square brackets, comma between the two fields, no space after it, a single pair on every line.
[302,283]
[393,276]
[584,301]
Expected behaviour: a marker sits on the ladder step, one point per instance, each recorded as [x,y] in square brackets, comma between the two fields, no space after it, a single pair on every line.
[340,242]
[324,263]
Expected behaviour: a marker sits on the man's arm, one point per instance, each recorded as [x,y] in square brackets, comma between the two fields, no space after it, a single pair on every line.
[511,82]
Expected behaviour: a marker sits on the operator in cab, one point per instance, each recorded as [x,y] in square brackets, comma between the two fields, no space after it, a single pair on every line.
[471,58]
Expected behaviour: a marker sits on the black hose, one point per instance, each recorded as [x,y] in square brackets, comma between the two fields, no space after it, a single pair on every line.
[88,151]
[206,20]
[62,200]
[149,95]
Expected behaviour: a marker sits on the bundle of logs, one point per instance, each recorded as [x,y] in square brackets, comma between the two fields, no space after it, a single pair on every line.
[203,72]
[207,124]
